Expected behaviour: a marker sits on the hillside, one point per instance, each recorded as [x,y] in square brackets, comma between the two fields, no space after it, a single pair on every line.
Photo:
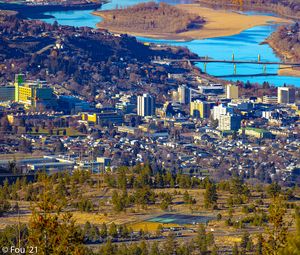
[287,8]
[286,40]
[151,17]
[131,210]
[82,60]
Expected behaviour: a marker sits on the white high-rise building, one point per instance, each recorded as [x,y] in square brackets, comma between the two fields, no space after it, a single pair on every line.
[184,94]
[221,110]
[146,105]
[286,95]
[229,122]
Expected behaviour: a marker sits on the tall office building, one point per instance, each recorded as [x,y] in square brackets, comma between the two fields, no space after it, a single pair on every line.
[232,91]
[229,122]
[184,94]
[200,109]
[286,95]
[146,105]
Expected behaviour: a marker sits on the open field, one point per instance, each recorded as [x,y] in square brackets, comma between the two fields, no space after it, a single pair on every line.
[217,23]
[94,199]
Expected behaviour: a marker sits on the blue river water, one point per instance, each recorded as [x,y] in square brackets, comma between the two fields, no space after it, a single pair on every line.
[245,46]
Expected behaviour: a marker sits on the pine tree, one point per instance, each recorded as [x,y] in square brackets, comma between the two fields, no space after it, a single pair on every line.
[170,245]
[210,195]
[245,240]
[278,229]
[259,245]
[274,189]
[293,243]
[112,231]
[103,231]
[235,249]
[201,239]
[214,250]
[53,231]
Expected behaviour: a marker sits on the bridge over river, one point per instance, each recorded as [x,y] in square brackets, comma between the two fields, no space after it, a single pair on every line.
[235,62]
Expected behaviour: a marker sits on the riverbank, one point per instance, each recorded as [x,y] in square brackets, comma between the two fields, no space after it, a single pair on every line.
[250,5]
[37,11]
[284,55]
[218,23]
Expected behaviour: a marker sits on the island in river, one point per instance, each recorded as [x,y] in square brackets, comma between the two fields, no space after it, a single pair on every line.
[217,23]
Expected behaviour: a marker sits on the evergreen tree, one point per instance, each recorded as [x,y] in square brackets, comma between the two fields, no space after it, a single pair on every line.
[210,195]
[245,240]
[103,231]
[52,231]
[259,245]
[235,250]
[201,240]
[293,243]
[278,229]
[112,231]
[274,189]
[170,245]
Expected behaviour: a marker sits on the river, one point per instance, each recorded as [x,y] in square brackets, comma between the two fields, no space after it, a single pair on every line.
[244,46]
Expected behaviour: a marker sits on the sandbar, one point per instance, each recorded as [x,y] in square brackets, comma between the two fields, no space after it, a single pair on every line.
[218,23]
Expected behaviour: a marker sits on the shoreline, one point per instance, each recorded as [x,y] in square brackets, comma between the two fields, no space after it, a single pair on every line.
[218,23]
[284,70]
[38,11]
[246,7]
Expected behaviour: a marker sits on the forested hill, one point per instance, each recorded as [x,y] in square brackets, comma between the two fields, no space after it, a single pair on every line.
[82,59]
[288,8]
[151,17]
[287,41]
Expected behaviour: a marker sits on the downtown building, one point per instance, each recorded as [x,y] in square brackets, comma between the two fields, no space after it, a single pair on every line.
[31,94]
[221,109]
[200,109]
[229,122]
[286,95]
[184,94]
[232,91]
[146,105]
